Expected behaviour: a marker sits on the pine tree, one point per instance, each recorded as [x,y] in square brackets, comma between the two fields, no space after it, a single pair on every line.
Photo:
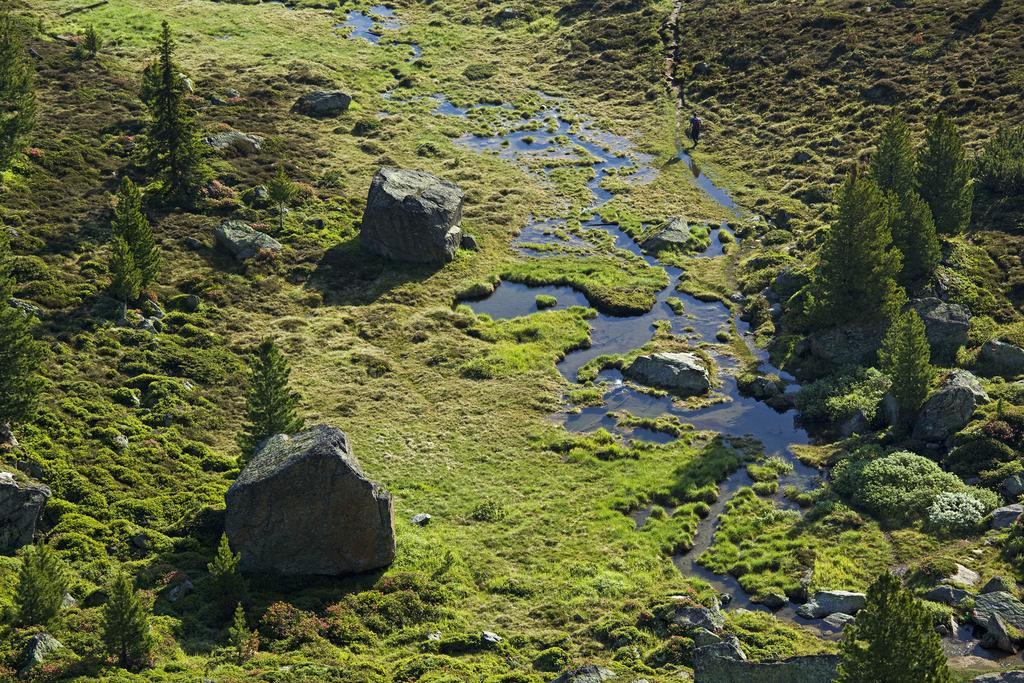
[175,151]
[906,358]
[272,404]
[131,225]
[913,233]
[892,641]
[282,191]
[126,279]
[20,355]
[227,585]
[857,264]
[17,90]
[892,165]
[126,631]
[242,641]
[944,177]
[92,42]
[42,583]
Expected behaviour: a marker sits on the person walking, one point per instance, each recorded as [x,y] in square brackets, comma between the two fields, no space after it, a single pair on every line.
[696,127]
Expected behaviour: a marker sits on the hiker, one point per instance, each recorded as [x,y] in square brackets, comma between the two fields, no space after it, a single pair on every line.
[696,126]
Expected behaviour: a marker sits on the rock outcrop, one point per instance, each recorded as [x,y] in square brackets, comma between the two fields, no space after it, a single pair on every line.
[684,374]
[1001,359]
[21,505]
[946,325]
[322,103]
[235,143]
[1005,516]
[242,241]
[950,408]
[1000,677]
[40,647]
[1001,615]
[824,351]
[708,668]
[303,506]
[674,235]
[588,673]
[830,602]
[412,216]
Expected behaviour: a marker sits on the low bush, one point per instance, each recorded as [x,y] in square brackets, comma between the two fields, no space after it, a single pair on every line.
[955,513]
[836,398]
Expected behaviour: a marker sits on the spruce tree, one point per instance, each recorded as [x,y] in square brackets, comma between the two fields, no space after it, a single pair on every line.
[126,279]
[17,90]
[20,355]
[175,151]
[272,403]
[857,264]
[92,42]
[227,585]
[242,641]
[906,358]
[42,583]
[892,641]
[131,225]
[944,177]
[126,631]
[913,233]
[282,191]
[892,165]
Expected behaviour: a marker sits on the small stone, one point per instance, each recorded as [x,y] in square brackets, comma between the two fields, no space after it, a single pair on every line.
[839,619]
[774,601]
[242,241]
[421,519]
[962,577]
[178,590]
[490,637]
[469,243]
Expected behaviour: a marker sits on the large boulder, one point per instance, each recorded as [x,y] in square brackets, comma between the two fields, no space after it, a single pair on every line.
[673,235]
[322,103]
[822,352]
[946,325]
[303,506]
[683,374]
[1001,359]
[1001,615]
[242,241]
[412,216]
[708,667]
[235,143]
[21,505]
[830,602]
[1005,516]
[588,673]
[947,595]
[950,408]
[691,618]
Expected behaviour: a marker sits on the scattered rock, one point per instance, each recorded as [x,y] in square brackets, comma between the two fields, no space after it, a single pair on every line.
[1001,615]
[303,506]
[773,601]
[946,326]
[1000,584]
[673,235]
[68,601]
[469,242]
[40,647]
[177,590]
[726,648]
[1013,485]
[412,216]
[1001,358]
[683,374]
[1000,677]
[235,143]
[830,602]
[242,241]
[692,618]
[822,352]
[490,638]
[961,577]
[703,637]
[950,408]
[839,620]
[421,519]
[762,387]
[151,309]
[21,506]
[257,197]
[322,103]
[855,424]
[588,673]
[947,595]
[1005,516]
[28,308]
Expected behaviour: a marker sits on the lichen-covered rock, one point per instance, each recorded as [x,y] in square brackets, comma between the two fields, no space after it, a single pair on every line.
[236,143]
[946,325]
[830,602]
[1000,583]
[588,673]
[303,506]
[947,595]
[40,647]
[1002,616]
[674,235]
[694,617]
[950,408]
[322,103]
[1001,359]
[412,216]
[242,241]
[21,505]
[683,374]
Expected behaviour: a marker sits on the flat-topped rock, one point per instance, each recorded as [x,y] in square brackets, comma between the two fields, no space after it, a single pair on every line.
[683,374]
[412,216]
[243,241]
[21,505]
[830,602]
[304,506]
[322,103]
[1007,515]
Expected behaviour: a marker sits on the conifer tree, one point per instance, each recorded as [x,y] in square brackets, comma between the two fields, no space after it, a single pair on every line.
[913,234]
[892,165]
[92,42]
[892,641]
[126,631]
[272,403]
[126,279]
[906,358]
[857,264]
[944,177]
[42,583]
[17,90]
[242,641]
[131,225]
[227,585]
[282,191]
[20,355]
[174,149]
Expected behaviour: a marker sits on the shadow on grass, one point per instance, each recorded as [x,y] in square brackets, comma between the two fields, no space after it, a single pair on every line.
[349,275]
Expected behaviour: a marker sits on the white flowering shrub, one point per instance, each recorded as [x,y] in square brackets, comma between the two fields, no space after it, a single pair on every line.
[955,512]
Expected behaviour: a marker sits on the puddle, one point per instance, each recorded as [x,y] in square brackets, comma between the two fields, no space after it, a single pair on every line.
[367,25]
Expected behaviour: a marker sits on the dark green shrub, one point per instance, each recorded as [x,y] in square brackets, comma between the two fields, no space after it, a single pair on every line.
[977,455]
[1001,164]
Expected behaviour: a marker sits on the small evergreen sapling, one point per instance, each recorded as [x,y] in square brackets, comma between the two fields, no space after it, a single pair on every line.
[42,583]
[906,358]
[272,403]
[131,225]
[227,585]
[282,191]
[126,631]
[944,177]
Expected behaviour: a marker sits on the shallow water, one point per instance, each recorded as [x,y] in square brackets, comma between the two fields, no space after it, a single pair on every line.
[366,24]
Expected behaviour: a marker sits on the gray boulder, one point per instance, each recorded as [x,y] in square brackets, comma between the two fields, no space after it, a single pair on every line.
[242,241]
[673,235]
[1001,358]
[702,637]
[947,595]
[1000,583]
[1000,677]
[773,601]
[762,387]
[823,351]
[322,103]
[946,325]
[1013,485]
[588,673]
[1005,516]
[40,647]
[708,668]
[235,143]
[303,506]
[692,618]
[839,620]
[950,408]
[684,374]
[1001,615]
[412,216]
[830,602]
[726,648]
[963,576]
[21,505]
